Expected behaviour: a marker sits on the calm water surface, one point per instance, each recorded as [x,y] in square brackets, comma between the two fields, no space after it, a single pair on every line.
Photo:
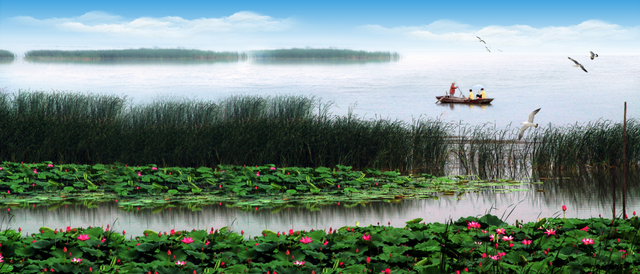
[397,90]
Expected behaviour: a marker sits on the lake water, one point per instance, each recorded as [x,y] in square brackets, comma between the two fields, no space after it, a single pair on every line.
[397,90]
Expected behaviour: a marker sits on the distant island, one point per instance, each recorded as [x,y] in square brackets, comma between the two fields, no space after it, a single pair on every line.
[192,54]
[132,54]
[345,54]
[6,55]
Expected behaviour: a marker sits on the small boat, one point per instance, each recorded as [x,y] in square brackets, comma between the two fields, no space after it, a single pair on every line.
[461,100]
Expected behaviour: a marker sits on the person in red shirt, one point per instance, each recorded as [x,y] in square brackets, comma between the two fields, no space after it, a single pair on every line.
[453,88]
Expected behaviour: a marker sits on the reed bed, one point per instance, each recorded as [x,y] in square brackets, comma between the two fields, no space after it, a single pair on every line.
[288,130]
[142,53]
[298,53]
[6,55]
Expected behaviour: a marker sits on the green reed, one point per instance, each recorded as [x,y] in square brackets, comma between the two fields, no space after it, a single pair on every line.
[287,130]
[298,53]
[5,54]
[142,53]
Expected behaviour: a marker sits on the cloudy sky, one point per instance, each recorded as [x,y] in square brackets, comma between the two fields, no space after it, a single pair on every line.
[409,27]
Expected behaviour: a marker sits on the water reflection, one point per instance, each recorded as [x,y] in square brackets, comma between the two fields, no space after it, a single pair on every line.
[319,61]
[585,194]
[5,61]
[470,106]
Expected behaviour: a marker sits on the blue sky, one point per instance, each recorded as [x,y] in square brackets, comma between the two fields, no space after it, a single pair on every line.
[420,27]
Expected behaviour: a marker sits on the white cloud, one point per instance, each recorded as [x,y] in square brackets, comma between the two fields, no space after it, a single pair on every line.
[165,27]
[593,31]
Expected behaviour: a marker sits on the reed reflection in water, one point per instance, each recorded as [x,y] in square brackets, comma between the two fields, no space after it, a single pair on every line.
[585,194]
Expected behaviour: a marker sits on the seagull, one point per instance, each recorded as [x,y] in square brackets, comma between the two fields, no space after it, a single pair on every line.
[481,40]
[499,50]
[487,49]
[578,65]
[592,55]
[527,124]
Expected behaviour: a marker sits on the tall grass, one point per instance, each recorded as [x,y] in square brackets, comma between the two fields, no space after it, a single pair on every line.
[298,53]
[287,131]
[142,53]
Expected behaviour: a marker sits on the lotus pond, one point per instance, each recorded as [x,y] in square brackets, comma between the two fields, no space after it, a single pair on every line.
[471,244]
[30,185]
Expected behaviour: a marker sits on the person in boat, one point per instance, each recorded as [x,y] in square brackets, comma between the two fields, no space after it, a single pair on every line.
[471,96]
[483,94]
[452,90]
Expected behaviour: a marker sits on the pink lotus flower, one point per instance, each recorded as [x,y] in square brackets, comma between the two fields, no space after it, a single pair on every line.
[366,237]
[387,271]
[500,230]
[1,258]
[181,263]
[550,232]
[273,168]
[258,173]
[76,260]
[306,240]
[154,168]
[507,238]
[83,237]
[187,240]
[473,225]
[564,208]
[586,228]
[588,241]
[35,171]
[299,263]
[49,165]
[526,242]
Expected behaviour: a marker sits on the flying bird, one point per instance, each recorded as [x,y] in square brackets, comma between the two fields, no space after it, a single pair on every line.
[487,49]
[527,124]
[578,65]
[499,50]
[481,40]
[592,55]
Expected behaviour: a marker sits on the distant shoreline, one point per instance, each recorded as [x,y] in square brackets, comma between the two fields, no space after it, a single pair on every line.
[186,54]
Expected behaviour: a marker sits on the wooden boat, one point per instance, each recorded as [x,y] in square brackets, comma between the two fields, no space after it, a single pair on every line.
[460,100]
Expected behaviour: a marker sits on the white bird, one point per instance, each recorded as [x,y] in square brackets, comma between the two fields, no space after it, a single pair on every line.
[592,55]
[499,50]
[578,65]
[481,40]
[527,124]
[487,49]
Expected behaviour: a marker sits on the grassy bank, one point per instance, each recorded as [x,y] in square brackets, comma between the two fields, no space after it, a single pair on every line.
[472,244]
[6,55]
[297,53]
[286,131]
[142,53]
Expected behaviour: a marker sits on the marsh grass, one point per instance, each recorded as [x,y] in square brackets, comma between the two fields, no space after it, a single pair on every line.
[308,53]
[142,53]
[288,130]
